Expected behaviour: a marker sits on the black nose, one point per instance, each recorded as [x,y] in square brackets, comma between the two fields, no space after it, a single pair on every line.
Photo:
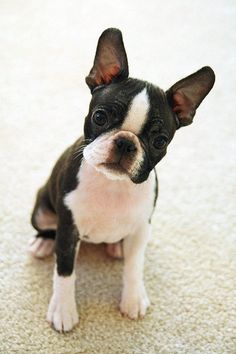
[125,145]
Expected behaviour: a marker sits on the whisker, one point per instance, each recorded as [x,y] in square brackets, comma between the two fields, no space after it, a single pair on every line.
[79,152]
[79,149]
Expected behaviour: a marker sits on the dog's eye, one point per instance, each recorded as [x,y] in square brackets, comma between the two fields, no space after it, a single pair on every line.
[100,117]
[160,142]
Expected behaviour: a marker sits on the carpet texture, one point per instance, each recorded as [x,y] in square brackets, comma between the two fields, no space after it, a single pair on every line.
[47,48]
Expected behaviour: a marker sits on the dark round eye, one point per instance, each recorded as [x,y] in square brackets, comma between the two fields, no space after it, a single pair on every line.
[160,142]
[100,117]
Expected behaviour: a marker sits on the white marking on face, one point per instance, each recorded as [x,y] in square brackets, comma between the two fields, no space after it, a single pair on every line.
[101,152]
[137,114]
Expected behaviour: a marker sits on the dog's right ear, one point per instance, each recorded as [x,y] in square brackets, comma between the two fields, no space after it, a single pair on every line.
[186,95]
[110,63]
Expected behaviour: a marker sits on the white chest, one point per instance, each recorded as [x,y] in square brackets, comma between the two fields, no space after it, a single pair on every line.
[105,210]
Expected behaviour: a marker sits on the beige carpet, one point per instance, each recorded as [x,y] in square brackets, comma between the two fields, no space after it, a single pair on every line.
[46,50]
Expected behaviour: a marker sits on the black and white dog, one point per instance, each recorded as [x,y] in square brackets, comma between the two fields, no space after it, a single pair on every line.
[104,187]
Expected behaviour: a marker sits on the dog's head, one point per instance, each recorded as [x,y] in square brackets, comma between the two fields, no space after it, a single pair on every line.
[131,122]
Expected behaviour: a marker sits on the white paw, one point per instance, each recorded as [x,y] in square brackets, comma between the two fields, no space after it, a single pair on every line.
[62,315]
[115,250]
[40,247]
[134,303]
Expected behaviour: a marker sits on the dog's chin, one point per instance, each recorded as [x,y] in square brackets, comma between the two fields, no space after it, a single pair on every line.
[113,171]
[116,172]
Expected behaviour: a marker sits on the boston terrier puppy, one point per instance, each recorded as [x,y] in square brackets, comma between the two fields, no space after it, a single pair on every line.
[103,188]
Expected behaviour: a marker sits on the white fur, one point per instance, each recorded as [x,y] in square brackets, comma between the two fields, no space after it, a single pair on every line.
[40,247]
[137,114]
[99,153]
[107,210]
[134,300]
[62,311]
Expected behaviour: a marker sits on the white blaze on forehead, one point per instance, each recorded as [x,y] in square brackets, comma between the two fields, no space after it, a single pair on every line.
[137,114]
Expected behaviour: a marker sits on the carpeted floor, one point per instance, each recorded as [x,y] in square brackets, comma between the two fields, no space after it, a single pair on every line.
[46,50]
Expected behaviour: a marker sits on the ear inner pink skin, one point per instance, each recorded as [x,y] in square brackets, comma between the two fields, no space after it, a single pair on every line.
[105,73]
[110,60]
[182,105]
[188,93]
[108,74]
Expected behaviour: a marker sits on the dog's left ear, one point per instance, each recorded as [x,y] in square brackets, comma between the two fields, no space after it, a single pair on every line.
[186,95]
[110,63]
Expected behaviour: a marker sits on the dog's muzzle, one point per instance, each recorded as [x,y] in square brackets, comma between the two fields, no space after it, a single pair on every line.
[118,154]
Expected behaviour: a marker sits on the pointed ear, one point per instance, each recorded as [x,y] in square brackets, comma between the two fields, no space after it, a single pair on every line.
[186,95]
[110,63]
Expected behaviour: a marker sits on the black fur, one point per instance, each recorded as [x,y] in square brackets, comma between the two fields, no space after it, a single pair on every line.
[62,181]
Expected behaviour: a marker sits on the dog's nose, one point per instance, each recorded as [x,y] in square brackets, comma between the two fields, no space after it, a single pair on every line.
[125,145]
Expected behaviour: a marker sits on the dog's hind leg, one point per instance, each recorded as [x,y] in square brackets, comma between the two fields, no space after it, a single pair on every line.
[44,220]
[115,250]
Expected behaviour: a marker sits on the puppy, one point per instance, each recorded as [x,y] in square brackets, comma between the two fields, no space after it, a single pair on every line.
[104,187]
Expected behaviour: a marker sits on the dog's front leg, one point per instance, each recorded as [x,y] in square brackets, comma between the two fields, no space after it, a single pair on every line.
[134,300]
[62,312]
